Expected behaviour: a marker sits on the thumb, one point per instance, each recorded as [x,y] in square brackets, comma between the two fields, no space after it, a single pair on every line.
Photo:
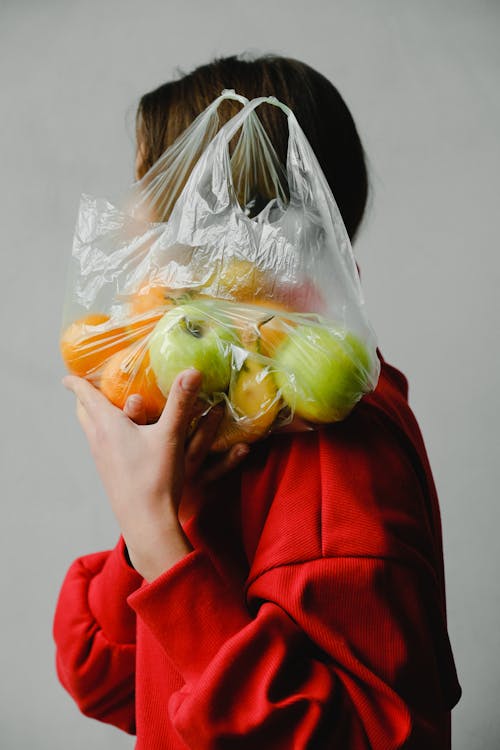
[177,414]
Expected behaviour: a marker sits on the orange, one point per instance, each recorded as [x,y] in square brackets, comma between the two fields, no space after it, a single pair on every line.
[248,318]
[88,342]
[274,330]
[272,333]
[271,304]
[147,306]
[128,372]
[149,297]
[141,326]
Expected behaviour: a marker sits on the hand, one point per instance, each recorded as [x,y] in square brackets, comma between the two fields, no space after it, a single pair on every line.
[142,469]
[201,466]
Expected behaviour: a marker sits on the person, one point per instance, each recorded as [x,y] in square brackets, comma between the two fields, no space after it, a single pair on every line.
[287,596]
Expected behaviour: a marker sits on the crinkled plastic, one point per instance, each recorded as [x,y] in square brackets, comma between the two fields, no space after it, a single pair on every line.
[234,265]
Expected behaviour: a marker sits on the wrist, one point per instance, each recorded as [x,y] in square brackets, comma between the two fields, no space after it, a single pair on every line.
[161,552]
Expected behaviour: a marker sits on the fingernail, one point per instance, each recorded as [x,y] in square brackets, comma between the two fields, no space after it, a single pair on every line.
[242,451]
[134,401]
[191,380]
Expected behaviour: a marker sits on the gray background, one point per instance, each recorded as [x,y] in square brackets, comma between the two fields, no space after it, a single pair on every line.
[422,80]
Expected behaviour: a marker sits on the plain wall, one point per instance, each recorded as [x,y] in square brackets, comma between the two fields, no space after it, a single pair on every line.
[422,81]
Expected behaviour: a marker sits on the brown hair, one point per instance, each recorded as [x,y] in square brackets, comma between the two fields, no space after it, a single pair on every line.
[164,113]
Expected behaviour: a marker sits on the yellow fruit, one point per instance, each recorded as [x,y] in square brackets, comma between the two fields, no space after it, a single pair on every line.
[255,403]
[241,280]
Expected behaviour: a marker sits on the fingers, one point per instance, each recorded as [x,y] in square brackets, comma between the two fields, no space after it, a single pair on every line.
[135,409]
[200,409]
[178,412]
[89,396]
[85,421]
[202,439]
[226,463]
[95,413]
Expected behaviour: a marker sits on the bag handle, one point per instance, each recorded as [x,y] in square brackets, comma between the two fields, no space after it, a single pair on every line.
[158,190]
[216,163]
[211,182]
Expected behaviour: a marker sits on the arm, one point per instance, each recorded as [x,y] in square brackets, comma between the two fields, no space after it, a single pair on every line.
[301,665]
[341,639]
[94,631]
[260,674]
[142,467]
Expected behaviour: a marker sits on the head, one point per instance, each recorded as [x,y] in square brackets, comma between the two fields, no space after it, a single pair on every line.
[164,113]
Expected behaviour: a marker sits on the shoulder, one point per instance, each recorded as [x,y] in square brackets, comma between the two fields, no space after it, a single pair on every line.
[361,487]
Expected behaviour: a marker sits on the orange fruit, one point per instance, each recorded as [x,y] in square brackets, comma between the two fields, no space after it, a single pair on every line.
[127,372]
[271,304]
[149,297]
[147,306]
[88,342]
[248,318]
[273,330]
[142,326]
[272,333]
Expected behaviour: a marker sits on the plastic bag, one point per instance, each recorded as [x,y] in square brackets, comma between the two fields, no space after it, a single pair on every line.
[232,265]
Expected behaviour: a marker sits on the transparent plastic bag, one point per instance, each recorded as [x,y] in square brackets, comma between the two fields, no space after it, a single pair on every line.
[230,264]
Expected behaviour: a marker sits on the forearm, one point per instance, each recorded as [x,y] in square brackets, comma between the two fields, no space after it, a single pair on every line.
[314,675]
[159,551]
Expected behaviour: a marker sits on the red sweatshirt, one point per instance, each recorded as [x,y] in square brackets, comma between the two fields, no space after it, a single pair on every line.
[310,614]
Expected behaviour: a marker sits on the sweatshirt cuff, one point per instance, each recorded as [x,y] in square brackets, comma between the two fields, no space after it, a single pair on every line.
[107,596]
[192,612]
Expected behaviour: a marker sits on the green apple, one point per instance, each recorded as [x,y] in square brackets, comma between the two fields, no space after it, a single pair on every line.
[195,335]
[322,372]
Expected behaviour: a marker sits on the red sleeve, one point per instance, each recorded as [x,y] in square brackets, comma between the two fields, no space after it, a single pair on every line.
[94,631]
[299,665]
